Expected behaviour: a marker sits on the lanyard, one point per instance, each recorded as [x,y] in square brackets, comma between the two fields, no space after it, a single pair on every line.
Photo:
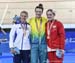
[49,28]
[38,27]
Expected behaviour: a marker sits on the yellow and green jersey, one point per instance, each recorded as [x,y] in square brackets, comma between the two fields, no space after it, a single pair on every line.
[37,33]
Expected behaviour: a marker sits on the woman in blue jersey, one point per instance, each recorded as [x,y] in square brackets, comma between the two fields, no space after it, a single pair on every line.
[20,45]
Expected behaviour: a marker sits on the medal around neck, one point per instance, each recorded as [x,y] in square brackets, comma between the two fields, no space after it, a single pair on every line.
[24,29]
[48,32]
[48,37]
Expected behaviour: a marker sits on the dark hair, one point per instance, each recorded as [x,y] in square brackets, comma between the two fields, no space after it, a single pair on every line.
[50,11]
[40,6]
[24,12]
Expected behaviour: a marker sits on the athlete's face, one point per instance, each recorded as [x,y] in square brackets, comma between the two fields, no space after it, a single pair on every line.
[23,17]
[38,12]
[50,15]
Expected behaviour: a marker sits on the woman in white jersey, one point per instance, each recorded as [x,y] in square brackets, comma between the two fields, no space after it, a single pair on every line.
[19,40]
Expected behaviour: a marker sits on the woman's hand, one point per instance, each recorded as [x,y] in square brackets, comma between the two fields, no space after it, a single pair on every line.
[12,51]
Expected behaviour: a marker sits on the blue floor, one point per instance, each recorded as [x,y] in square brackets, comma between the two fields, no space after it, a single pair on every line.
[8,58]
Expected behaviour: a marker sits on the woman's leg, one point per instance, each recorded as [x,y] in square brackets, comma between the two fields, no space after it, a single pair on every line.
[26,56]
[17,58]
[53,58]
[34,53]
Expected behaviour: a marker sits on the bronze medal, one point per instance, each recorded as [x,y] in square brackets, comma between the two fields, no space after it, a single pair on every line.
[49,29]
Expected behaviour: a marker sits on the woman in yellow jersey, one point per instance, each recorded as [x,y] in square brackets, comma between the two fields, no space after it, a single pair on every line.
[38,42]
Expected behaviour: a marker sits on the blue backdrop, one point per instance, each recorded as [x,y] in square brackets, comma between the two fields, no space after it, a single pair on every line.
[70,41]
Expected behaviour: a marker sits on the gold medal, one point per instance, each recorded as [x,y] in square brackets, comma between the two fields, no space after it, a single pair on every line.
[39,26]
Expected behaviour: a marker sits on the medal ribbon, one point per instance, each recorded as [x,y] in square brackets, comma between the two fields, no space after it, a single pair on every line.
[38,27]
[24,27]
[49,27]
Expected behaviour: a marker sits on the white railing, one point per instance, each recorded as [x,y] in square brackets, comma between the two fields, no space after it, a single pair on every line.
[65,26]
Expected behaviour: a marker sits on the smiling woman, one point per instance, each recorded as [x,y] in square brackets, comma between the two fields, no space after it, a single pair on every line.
[19,42]
[55,37]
